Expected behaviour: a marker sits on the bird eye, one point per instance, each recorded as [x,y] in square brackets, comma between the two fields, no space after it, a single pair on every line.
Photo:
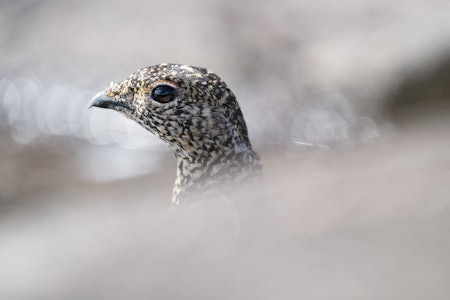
[163,93]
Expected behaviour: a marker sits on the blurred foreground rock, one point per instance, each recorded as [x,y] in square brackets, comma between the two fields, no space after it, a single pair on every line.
[366,222]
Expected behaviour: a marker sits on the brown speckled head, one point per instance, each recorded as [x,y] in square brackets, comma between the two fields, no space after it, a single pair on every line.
[196,114]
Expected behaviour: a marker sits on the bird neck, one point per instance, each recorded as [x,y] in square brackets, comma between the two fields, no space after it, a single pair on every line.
[197,174]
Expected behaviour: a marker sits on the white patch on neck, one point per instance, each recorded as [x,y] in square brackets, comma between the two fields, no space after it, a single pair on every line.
[240,148]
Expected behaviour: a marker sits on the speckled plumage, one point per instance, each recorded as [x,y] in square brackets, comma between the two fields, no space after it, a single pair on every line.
[202,124]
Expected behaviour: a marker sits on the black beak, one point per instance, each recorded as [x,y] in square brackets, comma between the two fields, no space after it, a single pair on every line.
[103,101]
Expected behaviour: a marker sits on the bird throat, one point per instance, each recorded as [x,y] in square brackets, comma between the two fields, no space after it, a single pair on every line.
[237,165]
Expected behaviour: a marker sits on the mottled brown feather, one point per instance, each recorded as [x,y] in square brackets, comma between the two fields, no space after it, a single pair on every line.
[203,125]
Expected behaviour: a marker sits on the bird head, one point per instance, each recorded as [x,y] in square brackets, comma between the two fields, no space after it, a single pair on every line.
[189,108]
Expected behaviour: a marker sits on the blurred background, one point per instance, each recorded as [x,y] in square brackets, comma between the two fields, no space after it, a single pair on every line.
[347,102]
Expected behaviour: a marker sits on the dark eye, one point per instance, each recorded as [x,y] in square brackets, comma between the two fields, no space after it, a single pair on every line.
[163,93]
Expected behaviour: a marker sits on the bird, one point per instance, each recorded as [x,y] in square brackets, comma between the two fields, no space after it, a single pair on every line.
[197,115]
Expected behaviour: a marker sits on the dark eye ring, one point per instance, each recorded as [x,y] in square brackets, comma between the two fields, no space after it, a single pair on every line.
[163,93]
